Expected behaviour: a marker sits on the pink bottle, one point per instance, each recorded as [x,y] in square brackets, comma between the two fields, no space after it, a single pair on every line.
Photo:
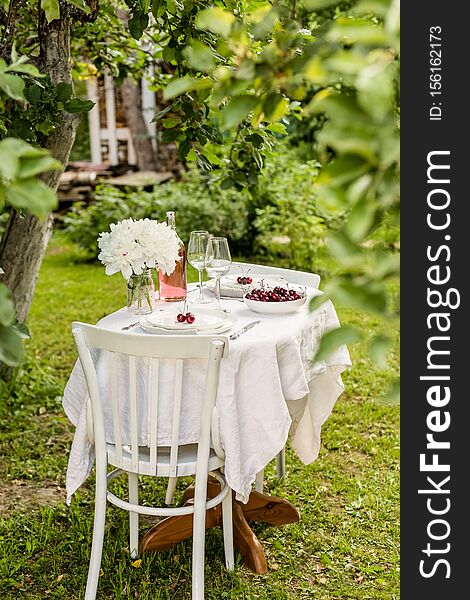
[172,288]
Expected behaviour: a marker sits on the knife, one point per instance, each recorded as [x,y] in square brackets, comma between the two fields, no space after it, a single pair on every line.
[234,336]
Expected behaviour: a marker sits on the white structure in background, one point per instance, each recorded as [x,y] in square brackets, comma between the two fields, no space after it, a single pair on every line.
[149,105]
[112,135]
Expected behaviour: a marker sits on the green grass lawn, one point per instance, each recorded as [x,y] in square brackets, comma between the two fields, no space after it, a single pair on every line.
[344,547]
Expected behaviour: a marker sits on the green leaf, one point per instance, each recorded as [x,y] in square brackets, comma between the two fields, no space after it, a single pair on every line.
[183,149]
[9,163]
[361,219]
[330,199]
[158,8]
[162,113]
[26,69]
[13,86]
[77,105]
[7,309]
[320,4]
[277,128]
[379,346]
[199,56]
[14,53]
[346,62]
[336,338]
[29,167]
[191,156]
[215,19]
[81,4]
[20,148]
[315,71]
[169,123]
[63,92]
[341,108]
[343,169]
[317,301]
[33,94]
[171,135]
[356,31]
[22,330]
[275,107]
[393,394]
[237,109]
[342,248]
[183,85]
[375,86]
[32,195]
[11,346]
[364,296]
[51,8]
[137,24]
[212,158]
[351,138]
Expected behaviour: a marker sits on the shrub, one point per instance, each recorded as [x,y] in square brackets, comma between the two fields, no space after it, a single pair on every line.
[199,204]
[290,229]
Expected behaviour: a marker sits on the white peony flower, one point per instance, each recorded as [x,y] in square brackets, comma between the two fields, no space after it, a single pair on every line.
[133,246]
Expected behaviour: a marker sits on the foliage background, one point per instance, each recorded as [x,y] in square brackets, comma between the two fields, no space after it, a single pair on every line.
[288,113]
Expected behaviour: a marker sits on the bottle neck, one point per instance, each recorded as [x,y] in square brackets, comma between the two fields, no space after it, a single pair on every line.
[170,220]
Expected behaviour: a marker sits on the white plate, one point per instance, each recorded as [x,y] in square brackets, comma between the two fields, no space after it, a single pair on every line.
[225,326]
[205,319]
[274,308]
[257,279]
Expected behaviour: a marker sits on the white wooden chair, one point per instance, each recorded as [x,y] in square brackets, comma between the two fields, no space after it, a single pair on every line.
[296,277]
[173,461]
[291,276]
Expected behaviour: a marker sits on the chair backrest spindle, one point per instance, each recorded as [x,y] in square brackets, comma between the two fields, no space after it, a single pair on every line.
[153,395]
[175,429]
[133,412]
[115,406]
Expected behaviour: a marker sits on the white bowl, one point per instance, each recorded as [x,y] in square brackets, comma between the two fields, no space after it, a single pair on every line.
[274,308]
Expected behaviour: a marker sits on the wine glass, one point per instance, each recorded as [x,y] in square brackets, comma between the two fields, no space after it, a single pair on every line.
[218,262]
[196,257]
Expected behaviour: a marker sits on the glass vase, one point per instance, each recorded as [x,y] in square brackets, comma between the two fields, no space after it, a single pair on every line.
[141,293]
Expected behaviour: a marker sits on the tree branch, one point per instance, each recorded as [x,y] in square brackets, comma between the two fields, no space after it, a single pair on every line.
[8,33]
[293,9]
[83,17]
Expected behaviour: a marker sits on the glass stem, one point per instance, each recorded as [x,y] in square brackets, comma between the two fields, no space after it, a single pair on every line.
[200,284]
[217,292]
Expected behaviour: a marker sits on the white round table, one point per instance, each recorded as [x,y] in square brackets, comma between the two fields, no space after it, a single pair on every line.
[269,386]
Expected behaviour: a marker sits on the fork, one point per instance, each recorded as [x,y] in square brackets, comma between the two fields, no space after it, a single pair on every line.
[130,326]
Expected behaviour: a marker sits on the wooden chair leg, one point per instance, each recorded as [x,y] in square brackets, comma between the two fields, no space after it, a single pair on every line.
[133,482]
[170,490]
[227,526]
[280,465]
[199,538]
[98,533]
[259,482]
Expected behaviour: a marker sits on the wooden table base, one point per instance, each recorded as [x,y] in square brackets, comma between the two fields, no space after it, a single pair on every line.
[260,507]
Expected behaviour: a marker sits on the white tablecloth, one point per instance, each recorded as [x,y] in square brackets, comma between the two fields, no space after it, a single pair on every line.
[268,386]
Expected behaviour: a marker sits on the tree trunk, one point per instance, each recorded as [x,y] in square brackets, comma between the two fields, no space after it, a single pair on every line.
[25,240]
[132,106]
